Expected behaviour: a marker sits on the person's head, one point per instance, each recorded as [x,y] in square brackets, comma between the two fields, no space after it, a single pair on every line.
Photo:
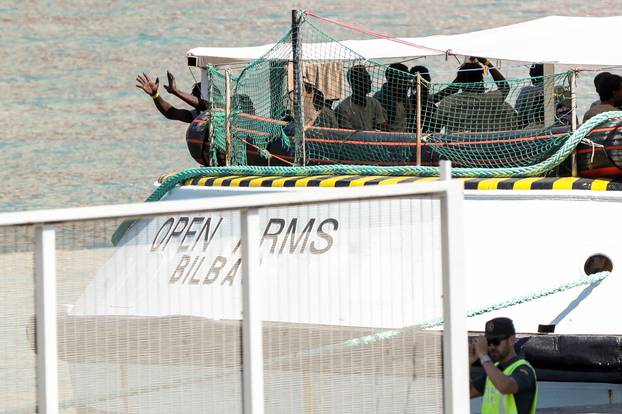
[501,338]
[471,74]
[196,90]
[318,99]
[598,78]
[396,72]
[359,80]
[610,89]
[243,103]
[536,72]
[397,79]
[421,70]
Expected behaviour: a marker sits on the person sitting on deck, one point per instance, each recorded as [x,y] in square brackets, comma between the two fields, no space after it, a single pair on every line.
[474,109]
[326,117]
[243,103]
[393,96]
[428,107]
[530,101]
[610,91]
[359,111]
[597,80]
[169,111]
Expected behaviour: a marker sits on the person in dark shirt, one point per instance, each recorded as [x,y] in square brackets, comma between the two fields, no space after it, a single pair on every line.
[393,96]
[530,100]
[150,87]
[509,384]
[427,101]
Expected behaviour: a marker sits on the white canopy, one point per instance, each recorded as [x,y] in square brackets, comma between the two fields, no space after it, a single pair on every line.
[575,41]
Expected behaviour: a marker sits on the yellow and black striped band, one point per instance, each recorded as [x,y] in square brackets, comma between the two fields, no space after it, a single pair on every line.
[532,183]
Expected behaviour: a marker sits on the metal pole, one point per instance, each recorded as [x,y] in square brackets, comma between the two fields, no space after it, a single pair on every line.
[455,349]
[45,314]
[205,84]
[418,118]
[252,340]
[549,94]
[573,114]
[227,116]
[299,111]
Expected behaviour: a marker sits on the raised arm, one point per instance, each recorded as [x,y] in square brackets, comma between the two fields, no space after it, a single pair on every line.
[502,84]
[503,383]
[190,99]
[473,391]
[170,112]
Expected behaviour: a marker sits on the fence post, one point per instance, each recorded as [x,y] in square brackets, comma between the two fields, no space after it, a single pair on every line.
[206,92]
[228,117]
[549,94]
[418,119]
[455,349]
[573,114]
[45,314]
[252,336]
[299,111]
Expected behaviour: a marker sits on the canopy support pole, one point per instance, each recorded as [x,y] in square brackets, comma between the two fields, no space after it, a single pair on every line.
[549,94]
[205,84]
[418,119]
[299,119]
[573,114]
[227,117]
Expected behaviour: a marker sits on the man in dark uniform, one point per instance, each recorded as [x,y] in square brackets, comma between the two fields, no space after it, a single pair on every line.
[509,384]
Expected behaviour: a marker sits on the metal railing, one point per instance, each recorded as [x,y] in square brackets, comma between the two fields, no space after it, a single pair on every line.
[450,194]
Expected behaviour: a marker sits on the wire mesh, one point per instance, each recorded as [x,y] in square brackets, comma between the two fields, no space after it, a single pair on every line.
[147,326]
[357,111]
[17,331]
[347,284]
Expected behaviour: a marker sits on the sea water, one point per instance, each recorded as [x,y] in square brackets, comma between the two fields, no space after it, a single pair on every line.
[74,129]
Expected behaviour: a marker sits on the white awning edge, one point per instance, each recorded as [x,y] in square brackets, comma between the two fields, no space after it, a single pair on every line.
[573,41]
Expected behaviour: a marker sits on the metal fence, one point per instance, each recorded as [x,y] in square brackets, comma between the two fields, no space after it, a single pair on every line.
[339,300]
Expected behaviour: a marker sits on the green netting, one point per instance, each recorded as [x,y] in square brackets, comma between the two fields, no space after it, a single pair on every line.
[358,111]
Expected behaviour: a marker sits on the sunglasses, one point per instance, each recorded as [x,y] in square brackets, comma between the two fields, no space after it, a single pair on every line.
[495,341]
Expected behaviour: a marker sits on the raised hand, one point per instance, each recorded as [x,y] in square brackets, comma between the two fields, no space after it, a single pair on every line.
[472,354]
[147,85]
[172,85]
[481,346]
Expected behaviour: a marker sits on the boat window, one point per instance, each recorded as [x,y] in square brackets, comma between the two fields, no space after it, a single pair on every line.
[597,263]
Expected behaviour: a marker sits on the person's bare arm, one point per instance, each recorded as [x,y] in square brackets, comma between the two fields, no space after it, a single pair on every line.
[449,90]
[502,84]
[473,392]
[169,111]
[503,383]
[190,99]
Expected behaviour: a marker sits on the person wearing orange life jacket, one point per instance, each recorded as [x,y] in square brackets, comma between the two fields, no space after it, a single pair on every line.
[509,385]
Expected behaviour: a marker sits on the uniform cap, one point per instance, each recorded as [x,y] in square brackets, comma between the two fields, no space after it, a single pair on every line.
[499,328]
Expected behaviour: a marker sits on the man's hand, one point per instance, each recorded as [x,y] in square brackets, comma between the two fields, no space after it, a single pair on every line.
[472,354]
[147,85]
[481,346]
[172,85]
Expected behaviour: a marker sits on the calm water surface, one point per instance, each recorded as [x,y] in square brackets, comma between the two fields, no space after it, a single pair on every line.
[74,130]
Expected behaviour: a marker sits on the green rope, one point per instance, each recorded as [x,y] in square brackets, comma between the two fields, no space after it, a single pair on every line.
[594,279]
[534,170]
